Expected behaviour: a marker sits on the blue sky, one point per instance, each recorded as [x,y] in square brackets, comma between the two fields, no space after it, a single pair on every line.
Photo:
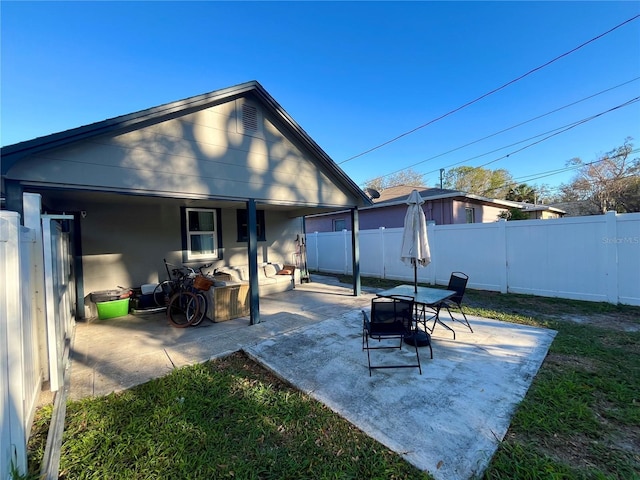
[354,75]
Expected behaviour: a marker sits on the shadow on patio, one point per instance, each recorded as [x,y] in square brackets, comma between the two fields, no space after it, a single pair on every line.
[455,413]
[119,353]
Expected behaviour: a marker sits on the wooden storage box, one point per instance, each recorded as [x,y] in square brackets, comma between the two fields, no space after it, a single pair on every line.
[227,302]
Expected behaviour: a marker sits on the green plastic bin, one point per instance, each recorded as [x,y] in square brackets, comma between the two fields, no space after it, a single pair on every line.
[113,309]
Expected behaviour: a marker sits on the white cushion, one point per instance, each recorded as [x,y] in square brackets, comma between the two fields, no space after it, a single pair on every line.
[270,270]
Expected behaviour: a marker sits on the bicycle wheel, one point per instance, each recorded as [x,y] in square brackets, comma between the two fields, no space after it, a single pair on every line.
[202,308]
[162,293]
[182,309]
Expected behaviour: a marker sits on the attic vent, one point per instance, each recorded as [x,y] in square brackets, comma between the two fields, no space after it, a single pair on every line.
[249,118]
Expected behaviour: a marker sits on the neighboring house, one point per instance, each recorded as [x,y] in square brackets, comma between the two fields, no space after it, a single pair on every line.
[185,181]
[542,212]
[578,208]
[441,207]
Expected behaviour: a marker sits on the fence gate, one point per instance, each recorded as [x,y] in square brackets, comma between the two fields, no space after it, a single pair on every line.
[59,295]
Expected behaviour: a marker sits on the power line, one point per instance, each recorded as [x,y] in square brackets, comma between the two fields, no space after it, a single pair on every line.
[627,103]
[492,91]
[549,134]
[562,170]
[510,128]
[548,173]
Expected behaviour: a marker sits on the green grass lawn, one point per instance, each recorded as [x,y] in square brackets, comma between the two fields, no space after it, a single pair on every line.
[230,418]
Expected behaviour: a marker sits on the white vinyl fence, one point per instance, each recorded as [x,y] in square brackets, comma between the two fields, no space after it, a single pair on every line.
[20,371]
[36,321]
[595,258]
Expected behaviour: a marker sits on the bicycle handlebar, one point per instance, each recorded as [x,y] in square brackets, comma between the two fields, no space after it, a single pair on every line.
[177,272]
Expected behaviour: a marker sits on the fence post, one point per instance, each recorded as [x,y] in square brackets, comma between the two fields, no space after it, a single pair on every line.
[383,267]
[431,235]
[611,256]
[501,248]
[12,405]
[314,266]
[345,256]
[32,211]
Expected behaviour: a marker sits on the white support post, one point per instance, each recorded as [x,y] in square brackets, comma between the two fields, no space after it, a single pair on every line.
[346,241]
[383,270]
[611,256]
[501,248]
[32,205]
[431,235]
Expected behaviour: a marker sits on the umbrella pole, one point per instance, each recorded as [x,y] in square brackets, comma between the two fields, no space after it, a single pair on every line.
[415,276]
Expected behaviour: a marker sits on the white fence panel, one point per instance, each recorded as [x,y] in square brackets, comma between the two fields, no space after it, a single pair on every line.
[8,305]
[373,243]
[332,254]
[32,373]
[20,374]
[595,258]
[626,245]
[58,294]
[476,249]
[557,259]
[396,269]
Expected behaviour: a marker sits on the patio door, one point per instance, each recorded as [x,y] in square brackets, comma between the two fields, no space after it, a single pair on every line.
[59,295]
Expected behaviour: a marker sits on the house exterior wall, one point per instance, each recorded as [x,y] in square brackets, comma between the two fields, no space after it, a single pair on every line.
[279,246]
[441,211]
[124,244]
[325,223]
[198,155]
[543,215]
[483,213]
[387,217]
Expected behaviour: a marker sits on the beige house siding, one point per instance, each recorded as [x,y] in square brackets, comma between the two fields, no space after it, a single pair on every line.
[123,244]
[483,213]
[543,215]
[127,182]
[198,155]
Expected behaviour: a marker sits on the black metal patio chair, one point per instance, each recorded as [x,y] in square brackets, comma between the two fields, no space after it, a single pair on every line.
[391,318]
[458,283]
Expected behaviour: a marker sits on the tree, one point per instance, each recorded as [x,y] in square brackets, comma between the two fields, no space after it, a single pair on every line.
[612,182]
[522,193]
[514,214]
[405,177]
[479,181]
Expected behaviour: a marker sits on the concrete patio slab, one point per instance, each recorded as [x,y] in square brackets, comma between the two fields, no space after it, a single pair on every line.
[447,421]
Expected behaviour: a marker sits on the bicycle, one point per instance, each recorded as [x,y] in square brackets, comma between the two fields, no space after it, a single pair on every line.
[165,289]
[183,309]
[199,283]
[182,295]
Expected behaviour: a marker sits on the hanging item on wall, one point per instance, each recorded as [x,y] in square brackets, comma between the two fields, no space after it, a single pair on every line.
[301,258]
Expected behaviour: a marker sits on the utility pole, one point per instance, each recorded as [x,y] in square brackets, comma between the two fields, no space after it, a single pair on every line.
[441,175]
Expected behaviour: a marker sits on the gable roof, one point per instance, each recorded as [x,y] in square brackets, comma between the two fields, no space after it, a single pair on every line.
[125,123]
[399,194]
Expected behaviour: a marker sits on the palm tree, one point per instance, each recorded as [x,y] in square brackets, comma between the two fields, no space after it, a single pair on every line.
[522,193]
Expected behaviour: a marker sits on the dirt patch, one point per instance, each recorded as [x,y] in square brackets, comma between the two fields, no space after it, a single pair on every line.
[615,321]
[574,362]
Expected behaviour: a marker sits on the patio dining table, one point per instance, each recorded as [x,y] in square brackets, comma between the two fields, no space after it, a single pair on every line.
[424,298]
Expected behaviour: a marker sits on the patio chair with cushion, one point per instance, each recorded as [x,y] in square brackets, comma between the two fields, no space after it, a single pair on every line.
[391,318]
[458,283]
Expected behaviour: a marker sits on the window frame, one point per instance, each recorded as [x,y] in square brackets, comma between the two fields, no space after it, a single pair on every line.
[335,222]
[216,233]
[471,210]
[242,228]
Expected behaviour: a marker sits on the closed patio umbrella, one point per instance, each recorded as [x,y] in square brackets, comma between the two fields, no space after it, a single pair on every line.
[415,244]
